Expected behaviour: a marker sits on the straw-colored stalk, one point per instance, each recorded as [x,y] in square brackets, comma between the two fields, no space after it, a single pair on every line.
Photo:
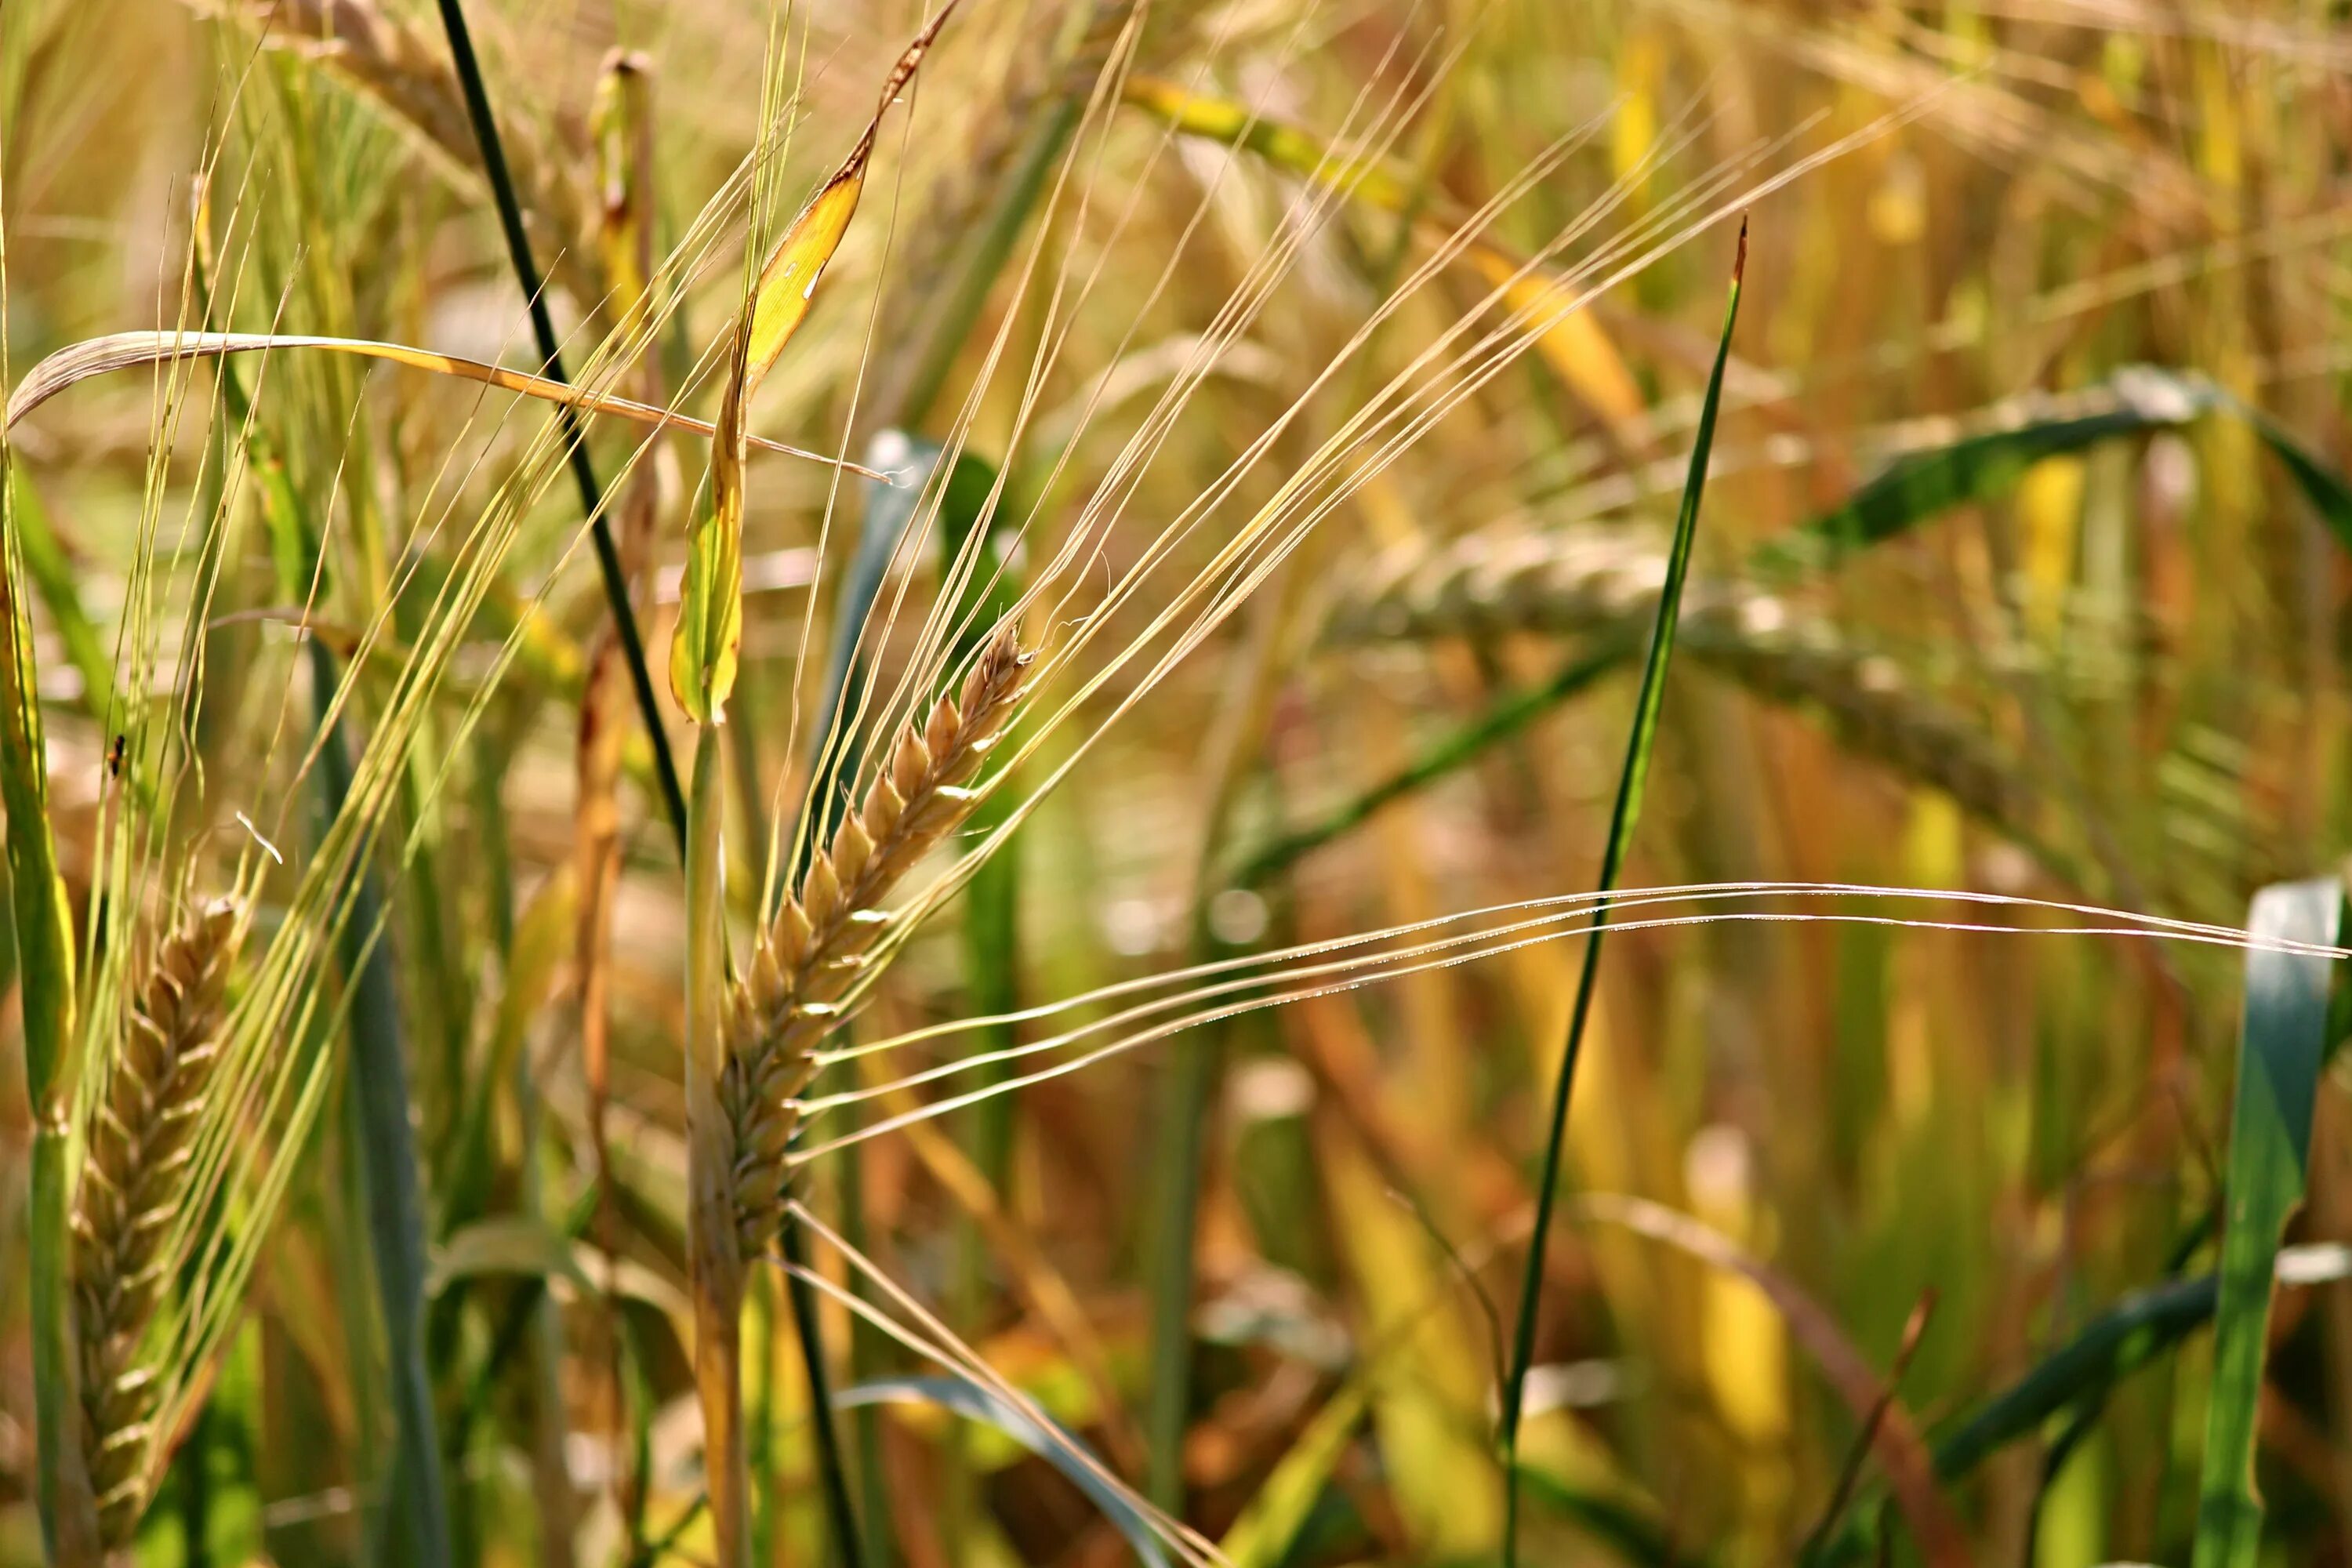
[816,948]
[127,1199]
[1595,585]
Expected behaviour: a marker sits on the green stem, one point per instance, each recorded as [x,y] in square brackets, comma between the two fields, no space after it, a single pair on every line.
[1176,1188]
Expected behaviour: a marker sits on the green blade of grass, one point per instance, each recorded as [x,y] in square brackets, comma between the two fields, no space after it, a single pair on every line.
[1623,816]
[2281,1050]
[43,924]
[2135,1332]
[1269,1525]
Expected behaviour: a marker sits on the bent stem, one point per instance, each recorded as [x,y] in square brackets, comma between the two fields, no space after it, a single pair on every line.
[716,1259]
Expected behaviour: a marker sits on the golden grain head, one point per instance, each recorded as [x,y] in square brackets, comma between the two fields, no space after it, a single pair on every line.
[128,1197]
[816,948]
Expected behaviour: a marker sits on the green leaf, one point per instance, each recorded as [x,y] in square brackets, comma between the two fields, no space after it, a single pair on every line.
[52,571]
[973,1403]
[1622,819]
[2078,1377]
[2282,1047]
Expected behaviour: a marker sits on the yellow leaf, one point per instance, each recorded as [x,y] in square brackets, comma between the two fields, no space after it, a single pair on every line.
[787,284]
[703,650]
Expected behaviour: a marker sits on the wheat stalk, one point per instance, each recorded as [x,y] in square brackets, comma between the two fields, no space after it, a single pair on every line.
[128,1197]
[1595,585]
[815,950]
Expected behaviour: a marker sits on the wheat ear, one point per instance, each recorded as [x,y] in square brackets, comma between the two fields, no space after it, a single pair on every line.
[127,1200]
[815,950]
[1602,584]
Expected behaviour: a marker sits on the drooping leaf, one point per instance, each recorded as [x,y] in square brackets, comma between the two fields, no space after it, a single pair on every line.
[43,927]
[2133,1334]
[520,1245]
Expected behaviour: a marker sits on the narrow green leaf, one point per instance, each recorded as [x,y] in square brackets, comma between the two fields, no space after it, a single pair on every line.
[704,648]
[1509,715]
[1622,817]
[2135,1332]
[2282,1049]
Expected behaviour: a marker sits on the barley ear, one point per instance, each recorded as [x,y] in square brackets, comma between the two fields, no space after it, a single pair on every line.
[125,1203]
[816,950]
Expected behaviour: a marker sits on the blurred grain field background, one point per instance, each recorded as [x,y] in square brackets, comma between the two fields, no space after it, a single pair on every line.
[1289,402]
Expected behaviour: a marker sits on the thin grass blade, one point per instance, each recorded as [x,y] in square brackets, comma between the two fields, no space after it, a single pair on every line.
[1622,818]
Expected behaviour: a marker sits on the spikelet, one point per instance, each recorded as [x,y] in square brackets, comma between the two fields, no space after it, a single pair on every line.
[816,948]
[125,1201]
[1601,584]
